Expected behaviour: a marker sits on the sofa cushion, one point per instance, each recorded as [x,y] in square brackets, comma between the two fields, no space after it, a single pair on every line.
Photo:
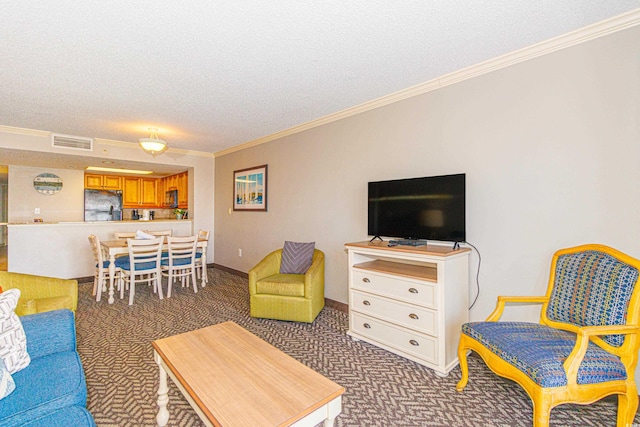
[49,383]
[296,257]
[13,342]
[6,381]
[282,284]
[75,416]
[50,332]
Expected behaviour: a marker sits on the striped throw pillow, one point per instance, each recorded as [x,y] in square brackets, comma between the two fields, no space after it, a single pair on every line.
[13,341]
[296,257]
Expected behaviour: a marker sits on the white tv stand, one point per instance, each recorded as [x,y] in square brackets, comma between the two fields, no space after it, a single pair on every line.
[409,300]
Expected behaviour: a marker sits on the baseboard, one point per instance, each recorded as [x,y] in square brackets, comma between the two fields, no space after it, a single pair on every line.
[340,306]
[229,270]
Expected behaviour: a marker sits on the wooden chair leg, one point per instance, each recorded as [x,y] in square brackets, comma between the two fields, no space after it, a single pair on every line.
[627,406]
[541,412]
[464,367]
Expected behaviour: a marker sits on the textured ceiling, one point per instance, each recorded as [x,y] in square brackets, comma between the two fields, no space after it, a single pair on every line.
[215,74]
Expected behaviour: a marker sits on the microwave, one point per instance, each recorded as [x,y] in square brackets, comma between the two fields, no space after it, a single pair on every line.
[171,199]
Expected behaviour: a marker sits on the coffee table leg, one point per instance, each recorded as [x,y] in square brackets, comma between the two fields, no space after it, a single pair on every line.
[163,394]
[333,410]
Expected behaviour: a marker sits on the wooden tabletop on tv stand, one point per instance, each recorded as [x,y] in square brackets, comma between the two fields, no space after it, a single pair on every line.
[428,249]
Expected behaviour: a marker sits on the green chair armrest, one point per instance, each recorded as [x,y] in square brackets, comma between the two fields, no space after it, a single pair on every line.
[314,277]
[269,266]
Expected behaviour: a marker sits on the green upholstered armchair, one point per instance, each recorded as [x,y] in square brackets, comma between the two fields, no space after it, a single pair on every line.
[40,293]
[293,297]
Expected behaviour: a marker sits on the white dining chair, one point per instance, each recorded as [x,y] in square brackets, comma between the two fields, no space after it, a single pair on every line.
[124,235]
[101,276]
[165,233]
[142,265]
[201,264]
[180,263]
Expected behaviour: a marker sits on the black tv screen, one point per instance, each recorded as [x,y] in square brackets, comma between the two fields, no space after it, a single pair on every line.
[429,208]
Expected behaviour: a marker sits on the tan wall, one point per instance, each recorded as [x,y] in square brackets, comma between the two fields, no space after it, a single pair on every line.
[550,148]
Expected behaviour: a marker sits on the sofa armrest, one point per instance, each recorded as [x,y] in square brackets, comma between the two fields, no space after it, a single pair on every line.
[49,332]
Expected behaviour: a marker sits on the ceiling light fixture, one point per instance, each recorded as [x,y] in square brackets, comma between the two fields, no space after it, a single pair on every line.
[153,145]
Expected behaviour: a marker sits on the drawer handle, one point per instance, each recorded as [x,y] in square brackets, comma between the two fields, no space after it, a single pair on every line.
[365,302]
[367,326]
[414,342]
[413,290]
[366,280]
[413,316]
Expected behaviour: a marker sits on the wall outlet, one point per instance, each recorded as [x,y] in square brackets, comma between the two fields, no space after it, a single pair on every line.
[239,252]
[36,211]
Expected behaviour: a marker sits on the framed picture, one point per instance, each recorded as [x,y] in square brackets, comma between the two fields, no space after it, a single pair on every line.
[250,189]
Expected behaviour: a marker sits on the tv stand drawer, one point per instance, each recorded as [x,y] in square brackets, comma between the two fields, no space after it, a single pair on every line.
[411,291]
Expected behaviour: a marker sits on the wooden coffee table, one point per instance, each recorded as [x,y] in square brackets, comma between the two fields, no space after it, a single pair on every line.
[233,378]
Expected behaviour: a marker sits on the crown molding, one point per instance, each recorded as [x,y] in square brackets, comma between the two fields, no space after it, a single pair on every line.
[582,35]
[24,131]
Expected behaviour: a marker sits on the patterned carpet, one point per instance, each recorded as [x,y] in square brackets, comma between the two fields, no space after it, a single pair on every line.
[382,389]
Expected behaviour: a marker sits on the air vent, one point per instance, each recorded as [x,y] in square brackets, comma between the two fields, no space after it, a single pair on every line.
[72,142]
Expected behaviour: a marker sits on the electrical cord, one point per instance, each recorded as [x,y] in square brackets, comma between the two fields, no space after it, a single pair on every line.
[477,275]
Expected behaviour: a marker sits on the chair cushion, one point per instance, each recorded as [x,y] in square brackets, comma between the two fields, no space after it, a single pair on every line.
[125,264]
[282,284]
[296,257]
[592,288]
[539,351]
[179,261]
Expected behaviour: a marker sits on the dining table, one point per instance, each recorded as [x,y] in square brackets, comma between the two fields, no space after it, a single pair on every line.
[120,247]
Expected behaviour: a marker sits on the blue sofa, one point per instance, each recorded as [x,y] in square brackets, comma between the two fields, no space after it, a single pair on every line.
[51,391]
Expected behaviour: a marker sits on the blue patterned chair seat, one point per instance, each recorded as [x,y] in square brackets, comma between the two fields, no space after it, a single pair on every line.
[539,351]
[125,264]
[178,261]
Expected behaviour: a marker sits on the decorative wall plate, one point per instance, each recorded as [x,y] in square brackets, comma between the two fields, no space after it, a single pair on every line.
[47,183]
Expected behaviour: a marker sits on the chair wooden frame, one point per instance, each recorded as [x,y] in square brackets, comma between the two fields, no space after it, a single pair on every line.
[165,233]
[144,266]
[101,276]
[201,264]
[124,235]
[544,399]
[180,263]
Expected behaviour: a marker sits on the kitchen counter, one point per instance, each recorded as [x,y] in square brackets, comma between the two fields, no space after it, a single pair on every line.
[124,221]
[61,249]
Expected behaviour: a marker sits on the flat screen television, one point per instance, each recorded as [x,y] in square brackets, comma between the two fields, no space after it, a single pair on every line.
[418,209]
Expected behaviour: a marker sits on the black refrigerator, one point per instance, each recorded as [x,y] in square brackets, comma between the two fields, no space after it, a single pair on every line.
[102,205]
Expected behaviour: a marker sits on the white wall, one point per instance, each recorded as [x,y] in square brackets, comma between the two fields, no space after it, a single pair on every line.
[550,146]
[66,205]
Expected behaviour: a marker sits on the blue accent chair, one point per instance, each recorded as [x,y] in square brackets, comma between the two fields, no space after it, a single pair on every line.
[585,346]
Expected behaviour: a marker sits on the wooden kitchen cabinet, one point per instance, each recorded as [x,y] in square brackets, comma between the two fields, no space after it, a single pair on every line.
[178,182]
[140,192]
[183,190]
[103,182]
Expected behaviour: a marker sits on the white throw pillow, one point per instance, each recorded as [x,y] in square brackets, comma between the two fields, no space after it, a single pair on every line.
[13,341]
[6,382]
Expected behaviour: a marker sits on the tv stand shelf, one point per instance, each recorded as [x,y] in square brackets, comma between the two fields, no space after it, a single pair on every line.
[420,272]
[409,300]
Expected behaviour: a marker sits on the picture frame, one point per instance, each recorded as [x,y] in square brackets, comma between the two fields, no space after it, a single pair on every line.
[250,189]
